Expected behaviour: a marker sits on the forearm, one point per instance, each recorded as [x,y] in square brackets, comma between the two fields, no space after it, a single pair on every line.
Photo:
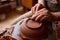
[56,16]
[25,15]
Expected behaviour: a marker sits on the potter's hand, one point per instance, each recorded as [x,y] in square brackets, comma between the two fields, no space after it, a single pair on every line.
[41,15]
[37,7]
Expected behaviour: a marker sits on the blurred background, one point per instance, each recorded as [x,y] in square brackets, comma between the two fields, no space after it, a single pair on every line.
[12,9]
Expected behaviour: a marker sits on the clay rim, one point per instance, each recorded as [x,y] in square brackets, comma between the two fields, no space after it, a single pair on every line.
[34,28]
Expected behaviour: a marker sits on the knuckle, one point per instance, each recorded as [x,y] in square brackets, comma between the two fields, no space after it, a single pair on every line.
[44,8]
[32,8]
[47,11]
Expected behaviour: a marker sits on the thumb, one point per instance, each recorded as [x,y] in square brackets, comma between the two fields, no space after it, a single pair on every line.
[39,6]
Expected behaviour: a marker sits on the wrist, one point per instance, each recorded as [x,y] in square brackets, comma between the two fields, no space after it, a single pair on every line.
[50,17]
[53,17]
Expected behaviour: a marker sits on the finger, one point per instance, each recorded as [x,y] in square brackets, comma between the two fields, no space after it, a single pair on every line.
[43,18]
[42,14]
[34,16]
[34,8]
[39,6]
[37,13]
[39,17]
[44,9]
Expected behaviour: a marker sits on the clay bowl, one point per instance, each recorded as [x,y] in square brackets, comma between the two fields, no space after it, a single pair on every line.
[33,30]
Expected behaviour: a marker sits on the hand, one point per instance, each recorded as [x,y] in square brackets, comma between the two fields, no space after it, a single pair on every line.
[41,15]
[37,7]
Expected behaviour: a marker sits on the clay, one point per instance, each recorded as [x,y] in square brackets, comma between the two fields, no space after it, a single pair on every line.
[31,30]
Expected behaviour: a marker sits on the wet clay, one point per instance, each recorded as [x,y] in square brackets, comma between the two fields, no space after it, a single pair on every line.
[31,30]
